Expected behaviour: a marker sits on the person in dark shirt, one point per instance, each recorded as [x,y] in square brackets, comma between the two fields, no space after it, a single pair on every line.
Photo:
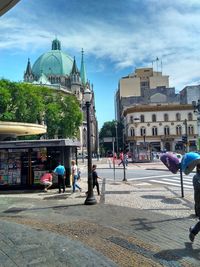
[196,185]
[194,230]
[95,178]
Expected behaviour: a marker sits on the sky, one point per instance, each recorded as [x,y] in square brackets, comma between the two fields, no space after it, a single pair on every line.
[117,36]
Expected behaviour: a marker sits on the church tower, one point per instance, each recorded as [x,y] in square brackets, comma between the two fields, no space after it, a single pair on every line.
[83,71]
[75,81]
[28,75]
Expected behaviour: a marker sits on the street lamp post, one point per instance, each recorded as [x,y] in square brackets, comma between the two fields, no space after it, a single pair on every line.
[90,200]
[116,135]
[196,107]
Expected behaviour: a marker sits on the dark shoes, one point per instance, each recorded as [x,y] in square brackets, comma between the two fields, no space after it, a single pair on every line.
[191,235]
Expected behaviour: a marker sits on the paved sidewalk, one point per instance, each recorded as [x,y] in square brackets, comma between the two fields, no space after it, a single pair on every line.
[132,225]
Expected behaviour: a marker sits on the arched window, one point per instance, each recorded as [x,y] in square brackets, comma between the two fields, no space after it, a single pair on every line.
[154,118]
[178,130]
[142,118]
[166,117]
[131,119]
[166,130]
[132,132]
[190,117]
[190,130]
[142,131]
[154,131]
[178,116]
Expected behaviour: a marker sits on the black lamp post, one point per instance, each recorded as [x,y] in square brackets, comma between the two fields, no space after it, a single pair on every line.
[90,200]
[116,136]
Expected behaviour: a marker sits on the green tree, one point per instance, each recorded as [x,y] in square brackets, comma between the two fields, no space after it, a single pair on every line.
[109,130]
[22,102]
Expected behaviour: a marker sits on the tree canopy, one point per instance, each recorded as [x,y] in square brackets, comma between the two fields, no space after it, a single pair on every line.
[23,102]
[109,130]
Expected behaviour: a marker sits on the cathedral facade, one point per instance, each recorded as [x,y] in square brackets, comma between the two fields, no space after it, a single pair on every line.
[57,70]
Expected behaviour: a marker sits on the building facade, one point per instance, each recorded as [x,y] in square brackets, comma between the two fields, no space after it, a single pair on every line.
[141,87]
[159,127]
[155,117]
[57,70]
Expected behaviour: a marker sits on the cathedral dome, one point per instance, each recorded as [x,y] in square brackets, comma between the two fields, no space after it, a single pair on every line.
[54,62]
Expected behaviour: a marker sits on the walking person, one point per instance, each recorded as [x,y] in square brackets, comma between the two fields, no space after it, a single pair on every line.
[196,185]
[95,178]
[74,170]
[60,171]
[194,230]
[126,159]
[121,156]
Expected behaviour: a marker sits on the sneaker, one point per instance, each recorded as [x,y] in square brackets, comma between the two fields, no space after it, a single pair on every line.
[45,190]
[191,235]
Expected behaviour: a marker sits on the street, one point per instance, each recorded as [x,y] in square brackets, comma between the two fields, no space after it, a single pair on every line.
[139,222]
[144,177]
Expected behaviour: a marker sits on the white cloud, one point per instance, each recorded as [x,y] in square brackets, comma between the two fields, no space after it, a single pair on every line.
[169,31]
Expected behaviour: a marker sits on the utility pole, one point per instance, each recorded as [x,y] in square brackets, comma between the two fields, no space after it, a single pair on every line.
[186,135]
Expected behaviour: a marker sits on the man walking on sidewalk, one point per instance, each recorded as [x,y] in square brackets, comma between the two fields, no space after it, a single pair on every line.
[60,171]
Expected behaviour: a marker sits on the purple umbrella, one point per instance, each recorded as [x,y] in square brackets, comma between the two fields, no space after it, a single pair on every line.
[171,162]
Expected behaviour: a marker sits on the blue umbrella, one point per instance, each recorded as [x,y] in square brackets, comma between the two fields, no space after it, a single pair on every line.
[189,162]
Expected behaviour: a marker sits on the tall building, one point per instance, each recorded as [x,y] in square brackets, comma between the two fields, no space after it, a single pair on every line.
[155,117]
[140,86]
[57,70]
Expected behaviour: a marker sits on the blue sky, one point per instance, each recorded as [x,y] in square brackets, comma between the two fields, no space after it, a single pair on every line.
[116,35]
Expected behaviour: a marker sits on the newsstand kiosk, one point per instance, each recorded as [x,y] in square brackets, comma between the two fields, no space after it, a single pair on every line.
[23,162]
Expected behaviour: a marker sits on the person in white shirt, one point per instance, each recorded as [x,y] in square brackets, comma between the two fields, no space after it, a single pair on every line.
[74,170]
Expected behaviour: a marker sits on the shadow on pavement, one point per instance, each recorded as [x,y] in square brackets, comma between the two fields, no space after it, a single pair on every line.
[17,210]
[188,251]
[145,224]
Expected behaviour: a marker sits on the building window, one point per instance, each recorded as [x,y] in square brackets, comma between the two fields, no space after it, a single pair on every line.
[131,119]
[154,131]
[144,84]
[178,130]
[166,130]
[166,117]
[178,116]
[190,117]
[154,118]
[190,130]
[142,131]
[142,118]
[132,132]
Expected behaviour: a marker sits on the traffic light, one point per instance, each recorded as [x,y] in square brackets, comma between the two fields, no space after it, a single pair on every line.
[184,139]
[126,147]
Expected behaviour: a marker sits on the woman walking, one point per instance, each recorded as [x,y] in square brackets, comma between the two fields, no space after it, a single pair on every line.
[74,170]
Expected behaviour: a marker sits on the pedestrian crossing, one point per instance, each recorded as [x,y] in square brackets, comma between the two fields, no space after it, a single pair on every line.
[169,180]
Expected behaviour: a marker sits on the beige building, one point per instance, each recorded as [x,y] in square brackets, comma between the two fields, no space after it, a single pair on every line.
[159,127]
[145,78]
[155,117]
[141,87]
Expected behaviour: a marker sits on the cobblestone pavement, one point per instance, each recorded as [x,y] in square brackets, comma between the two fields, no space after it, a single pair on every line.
[131,225]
